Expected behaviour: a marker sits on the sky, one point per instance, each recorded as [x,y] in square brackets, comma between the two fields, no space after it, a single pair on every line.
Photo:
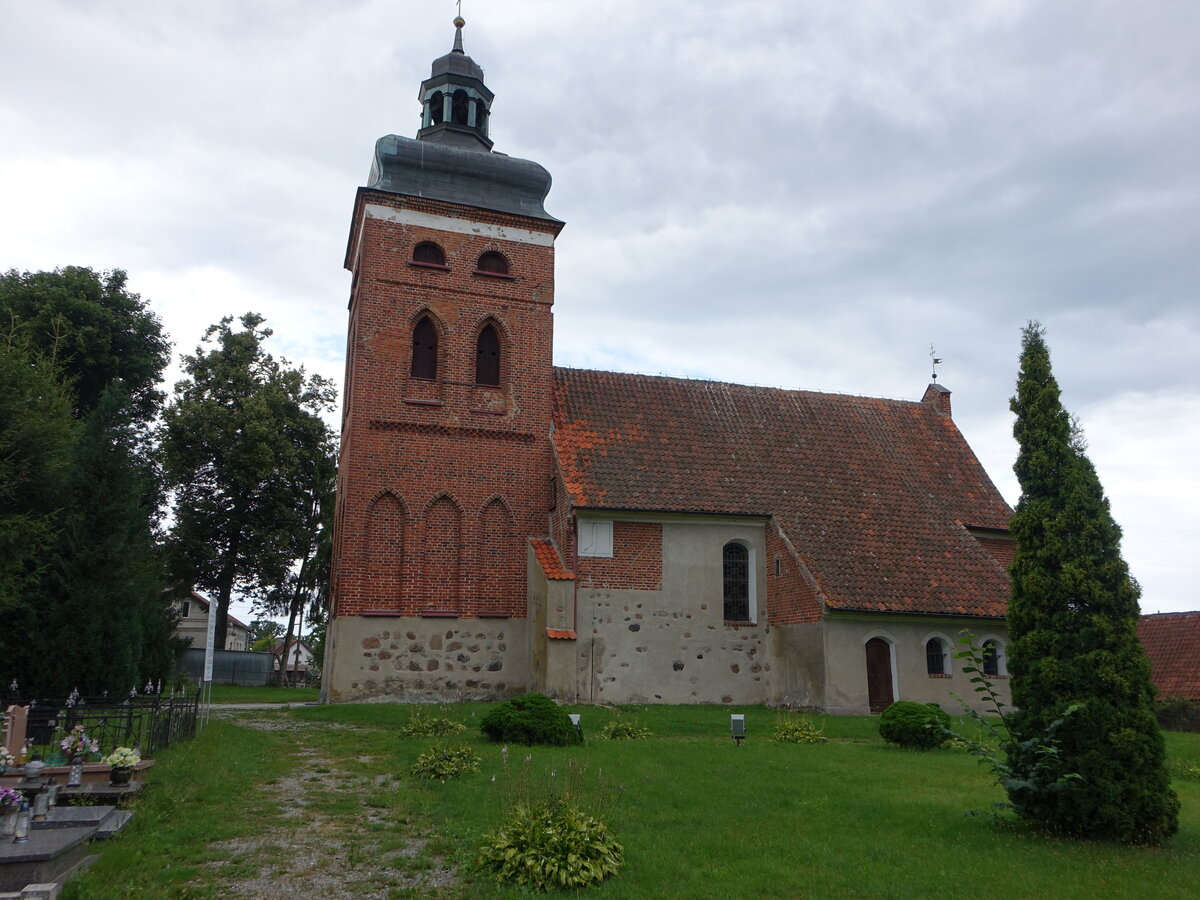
[797,193]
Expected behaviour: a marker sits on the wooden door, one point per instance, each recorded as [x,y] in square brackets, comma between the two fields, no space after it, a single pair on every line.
[879,674]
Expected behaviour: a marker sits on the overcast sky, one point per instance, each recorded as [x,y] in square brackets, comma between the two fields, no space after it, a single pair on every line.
[798,193]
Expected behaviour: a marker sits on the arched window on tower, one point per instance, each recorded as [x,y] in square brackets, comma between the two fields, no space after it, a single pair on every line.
[436,106]
[458,107]
[487,357]
[736,582]
[492,263]
[424,356]
[427,253]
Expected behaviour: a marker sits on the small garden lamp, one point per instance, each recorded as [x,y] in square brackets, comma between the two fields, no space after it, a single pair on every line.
[737,727]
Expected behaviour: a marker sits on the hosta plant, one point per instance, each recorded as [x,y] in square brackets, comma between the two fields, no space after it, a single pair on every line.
[440,763]
[799,730]
[620,730]
[420,725]
[550,845]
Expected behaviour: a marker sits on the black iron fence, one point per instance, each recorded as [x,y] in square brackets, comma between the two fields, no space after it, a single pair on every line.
[149,722]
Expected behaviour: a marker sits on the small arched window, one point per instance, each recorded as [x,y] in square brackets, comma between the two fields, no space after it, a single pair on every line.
[935,657]
[458,107]
[424,355]
[428,253]
[736,582]
[992,658]
[436,107]
[487,357]
[493,263]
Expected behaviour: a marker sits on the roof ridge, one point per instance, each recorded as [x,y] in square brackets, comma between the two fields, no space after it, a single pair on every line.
[687,379]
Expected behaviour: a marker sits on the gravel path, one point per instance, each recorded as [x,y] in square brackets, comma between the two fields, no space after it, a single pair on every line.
[313,856]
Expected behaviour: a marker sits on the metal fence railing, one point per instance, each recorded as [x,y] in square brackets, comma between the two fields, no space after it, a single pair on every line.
[149,722]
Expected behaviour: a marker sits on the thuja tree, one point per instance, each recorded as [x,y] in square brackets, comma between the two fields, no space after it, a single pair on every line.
[80,582]
[1073,623]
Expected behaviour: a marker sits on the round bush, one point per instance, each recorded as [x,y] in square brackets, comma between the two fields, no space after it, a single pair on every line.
[530,719]
[916,726]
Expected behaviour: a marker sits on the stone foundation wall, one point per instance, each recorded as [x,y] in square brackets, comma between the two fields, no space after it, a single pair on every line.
[424,660]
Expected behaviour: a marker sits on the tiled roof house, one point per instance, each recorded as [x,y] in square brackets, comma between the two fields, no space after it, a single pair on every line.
[1172,642]
[506,525]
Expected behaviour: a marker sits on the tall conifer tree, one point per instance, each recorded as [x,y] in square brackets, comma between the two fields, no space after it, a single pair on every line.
[1073,622]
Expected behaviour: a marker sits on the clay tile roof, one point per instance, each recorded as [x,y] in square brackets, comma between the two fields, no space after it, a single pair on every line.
[1172,641]
[547,557]
[874,494]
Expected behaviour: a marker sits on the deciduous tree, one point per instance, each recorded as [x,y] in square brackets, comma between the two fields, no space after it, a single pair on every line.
[239,435]
[1073,622]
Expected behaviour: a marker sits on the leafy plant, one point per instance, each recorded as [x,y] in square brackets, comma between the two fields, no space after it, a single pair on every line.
[620,730]
[550,845]
[1029,770]
[440,763]
[914,726]
[420,725]
[798,730]
[530,719]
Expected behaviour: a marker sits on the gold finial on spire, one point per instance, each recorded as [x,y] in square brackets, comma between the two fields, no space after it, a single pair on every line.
[459,21]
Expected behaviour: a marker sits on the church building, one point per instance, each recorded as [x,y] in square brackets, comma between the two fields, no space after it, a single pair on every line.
[506,525]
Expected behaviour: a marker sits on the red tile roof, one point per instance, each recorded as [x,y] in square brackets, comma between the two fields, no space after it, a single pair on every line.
[1172,641]
[874,494]
[547,557]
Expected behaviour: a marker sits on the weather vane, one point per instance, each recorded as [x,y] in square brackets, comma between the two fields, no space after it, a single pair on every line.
[936,361]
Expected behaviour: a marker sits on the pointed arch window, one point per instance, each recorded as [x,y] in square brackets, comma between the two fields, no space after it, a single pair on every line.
[736,582]
[425,346]
[487,357]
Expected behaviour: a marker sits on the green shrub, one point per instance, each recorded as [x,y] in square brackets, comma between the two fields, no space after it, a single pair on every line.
[420,725]
[1178,714]
[550,845]
[799,730]
[440,763]
[530,719]
[916,726]
[620,730]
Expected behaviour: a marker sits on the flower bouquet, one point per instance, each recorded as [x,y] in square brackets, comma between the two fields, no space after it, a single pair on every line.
[122,760]
[10,805]
[77,745]
[6,759]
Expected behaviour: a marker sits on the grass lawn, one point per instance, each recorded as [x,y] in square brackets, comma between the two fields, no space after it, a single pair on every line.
[698,817]
[236,693]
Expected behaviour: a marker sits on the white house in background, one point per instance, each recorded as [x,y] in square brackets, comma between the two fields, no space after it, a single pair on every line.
[193,623]
[298,660]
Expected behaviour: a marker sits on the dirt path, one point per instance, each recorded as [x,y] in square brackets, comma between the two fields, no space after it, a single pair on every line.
[311,854]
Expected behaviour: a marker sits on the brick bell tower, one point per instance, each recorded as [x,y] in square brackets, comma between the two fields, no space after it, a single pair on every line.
[445,469]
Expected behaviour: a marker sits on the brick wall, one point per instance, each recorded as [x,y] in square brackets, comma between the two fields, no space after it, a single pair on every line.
[791,597]
[442,481]
[1002,549]
[636,563]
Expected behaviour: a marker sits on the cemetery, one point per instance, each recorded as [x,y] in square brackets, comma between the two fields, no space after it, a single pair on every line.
[68,771]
